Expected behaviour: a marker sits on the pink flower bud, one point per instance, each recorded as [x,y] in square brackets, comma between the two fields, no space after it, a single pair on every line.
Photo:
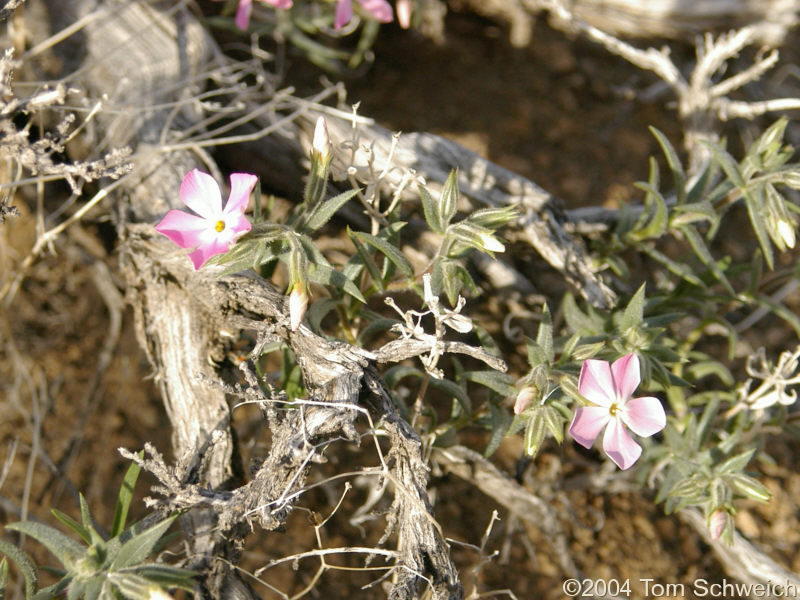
[524,398]
[298,302]
[322,142]
[717,523]
[404,10]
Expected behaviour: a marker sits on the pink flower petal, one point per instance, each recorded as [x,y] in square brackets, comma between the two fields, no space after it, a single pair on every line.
[626,375]
[241,186]
[596,383]
[205,251]
[524,398]
[236,225]
[380,9]
[619,445]
[645,416]
[183,229]
[344,12]
[200,192]
[243,11]
[717,523]
[587,424]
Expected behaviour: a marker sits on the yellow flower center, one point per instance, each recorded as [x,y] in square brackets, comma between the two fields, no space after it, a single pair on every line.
[613,409]
[219,226]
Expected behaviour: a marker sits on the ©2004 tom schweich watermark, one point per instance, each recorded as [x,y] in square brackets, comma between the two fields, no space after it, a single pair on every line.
[698,588]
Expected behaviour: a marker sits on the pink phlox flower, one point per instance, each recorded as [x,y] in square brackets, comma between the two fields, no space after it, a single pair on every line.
[610,388]
[214,229]
[245,8]
[380,9]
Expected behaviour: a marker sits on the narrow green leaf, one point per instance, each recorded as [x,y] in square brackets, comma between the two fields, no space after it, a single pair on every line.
[703,253]
[429,209]
[454,390]
[535,432]
[727,163]
[698,189]
[588,350]
[676,268]
[94,587]
[658,222]
[501,383]
[53,591]
[366,259]
[451,281]
[25,565]
[125,497]
[693,488]
[493,218]
[166,576]
[780,310]
[678,174]
[326,275]
[65,549]
[139,547]
[553,422]
[319,310]
[74,525]
[395,374]
[500,421]
[76,589]
[634,311]
[88,522]
[544,337]
[448,202]
[257,216]
[757,213]
[388,250]
[325,210]
[536,354]
[735,463]
[3,578]
[748,487]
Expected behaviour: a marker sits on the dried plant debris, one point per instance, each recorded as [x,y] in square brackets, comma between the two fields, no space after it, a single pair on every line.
[39,157]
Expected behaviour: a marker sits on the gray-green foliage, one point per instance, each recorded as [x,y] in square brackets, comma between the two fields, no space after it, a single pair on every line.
[97,566]
[684,324]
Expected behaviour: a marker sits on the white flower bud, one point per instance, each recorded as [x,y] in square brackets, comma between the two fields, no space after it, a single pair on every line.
[786,231]
[298,302]
[491,243]
[322,142]
[404,10]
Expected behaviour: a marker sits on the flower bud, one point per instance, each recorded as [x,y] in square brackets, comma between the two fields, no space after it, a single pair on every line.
[786,232]
[524,398]
[491,243]
[717,523]
[156,593]
[404,10]
[298,302]
[321,145]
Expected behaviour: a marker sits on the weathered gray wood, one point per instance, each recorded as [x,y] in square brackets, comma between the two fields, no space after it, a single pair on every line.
[674,19]
[133,53]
